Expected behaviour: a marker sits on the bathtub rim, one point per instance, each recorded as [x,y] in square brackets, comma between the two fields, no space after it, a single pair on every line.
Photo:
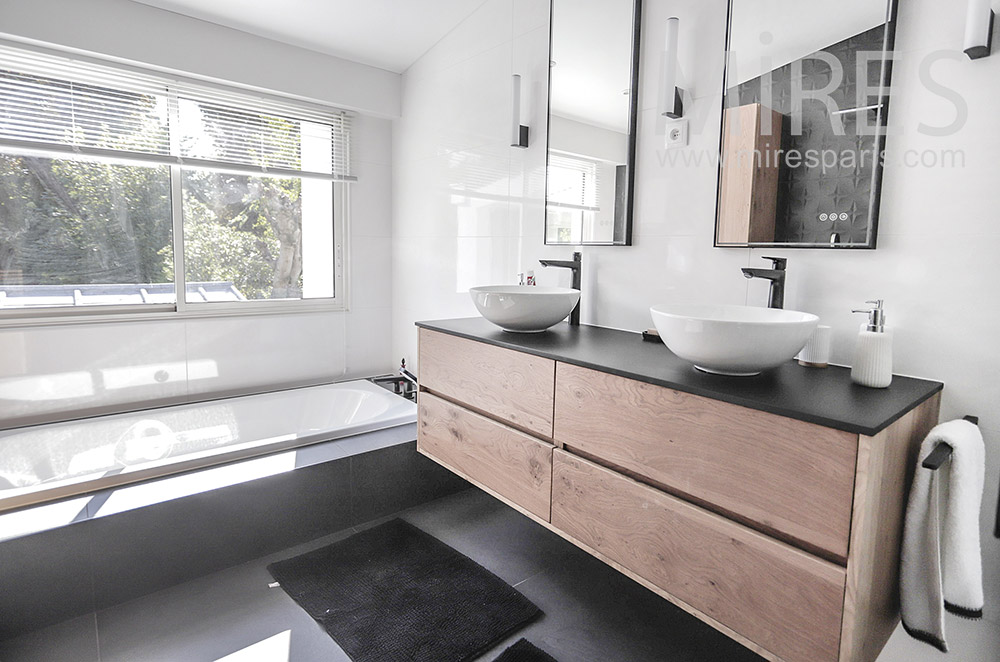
[96,411]
[90,486]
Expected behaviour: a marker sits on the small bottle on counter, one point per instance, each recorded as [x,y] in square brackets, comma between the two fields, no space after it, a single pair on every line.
[873,352]
[531,277]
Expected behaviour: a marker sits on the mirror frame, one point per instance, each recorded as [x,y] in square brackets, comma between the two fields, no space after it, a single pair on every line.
[875,200]
[633,126]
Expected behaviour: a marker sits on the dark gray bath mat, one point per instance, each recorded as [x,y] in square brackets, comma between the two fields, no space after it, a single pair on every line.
[394,593]
[524,651]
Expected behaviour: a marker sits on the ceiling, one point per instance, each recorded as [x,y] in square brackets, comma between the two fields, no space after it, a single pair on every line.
[388,34]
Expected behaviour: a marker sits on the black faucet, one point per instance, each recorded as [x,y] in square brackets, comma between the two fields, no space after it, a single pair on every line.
[776,275]
[576,265]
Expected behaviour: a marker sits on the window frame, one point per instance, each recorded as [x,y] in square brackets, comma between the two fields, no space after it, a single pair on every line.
[183,309]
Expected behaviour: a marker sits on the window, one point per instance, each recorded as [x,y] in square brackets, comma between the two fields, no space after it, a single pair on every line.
[123,190]
[571,198]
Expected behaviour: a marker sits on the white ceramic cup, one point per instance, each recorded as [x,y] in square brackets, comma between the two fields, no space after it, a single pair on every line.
[816,353]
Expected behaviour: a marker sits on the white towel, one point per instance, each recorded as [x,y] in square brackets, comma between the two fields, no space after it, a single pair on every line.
[941,561]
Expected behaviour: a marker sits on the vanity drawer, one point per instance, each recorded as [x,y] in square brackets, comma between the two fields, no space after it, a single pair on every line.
[512,386]
[511,463]
[786,477]
[779,597]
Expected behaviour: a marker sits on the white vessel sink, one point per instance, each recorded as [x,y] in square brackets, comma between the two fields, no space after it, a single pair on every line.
[524,308]
[733,340]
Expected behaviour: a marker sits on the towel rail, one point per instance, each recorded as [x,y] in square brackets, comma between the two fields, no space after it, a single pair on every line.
[942,451]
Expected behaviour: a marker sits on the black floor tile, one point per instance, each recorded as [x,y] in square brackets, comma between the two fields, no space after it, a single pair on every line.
[591,612]
[75,639]
[500,539]
[217,616]
[394,478]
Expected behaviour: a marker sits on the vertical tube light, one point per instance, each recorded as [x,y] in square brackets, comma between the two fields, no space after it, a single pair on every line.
[979,29]
[673,104]
[519,132]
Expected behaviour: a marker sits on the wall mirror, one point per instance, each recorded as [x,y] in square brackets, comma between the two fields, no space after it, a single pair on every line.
[593,78]
[804,112]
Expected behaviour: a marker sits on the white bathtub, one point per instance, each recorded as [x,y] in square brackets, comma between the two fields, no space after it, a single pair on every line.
[56,460]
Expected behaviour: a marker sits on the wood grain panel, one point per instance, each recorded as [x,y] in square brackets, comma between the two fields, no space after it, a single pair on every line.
[885,470]
[785,600]
[507,461]
[786,477]
[748,187]
[513,386]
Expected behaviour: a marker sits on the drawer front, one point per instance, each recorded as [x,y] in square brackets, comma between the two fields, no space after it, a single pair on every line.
[786,477]
[512,386]
[779,597]
[511,463]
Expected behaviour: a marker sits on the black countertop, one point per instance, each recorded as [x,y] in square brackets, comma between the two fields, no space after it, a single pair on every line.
[824,396]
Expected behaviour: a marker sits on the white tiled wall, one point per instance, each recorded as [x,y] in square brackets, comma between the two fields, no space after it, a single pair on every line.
[462,197]
[936,263]
[368,325]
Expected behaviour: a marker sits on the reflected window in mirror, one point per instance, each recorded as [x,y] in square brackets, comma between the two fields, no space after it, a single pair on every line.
[803,128]
[577,208]
[593,76]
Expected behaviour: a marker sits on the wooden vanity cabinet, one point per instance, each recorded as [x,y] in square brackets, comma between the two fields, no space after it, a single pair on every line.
[512,464]
[781,598]
[786,477]
[512,387]
[780,533]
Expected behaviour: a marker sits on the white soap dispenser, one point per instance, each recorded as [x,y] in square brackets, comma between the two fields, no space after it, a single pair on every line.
[873,351]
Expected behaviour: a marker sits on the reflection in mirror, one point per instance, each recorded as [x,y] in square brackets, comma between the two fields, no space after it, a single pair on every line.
[805,108]
[592,117]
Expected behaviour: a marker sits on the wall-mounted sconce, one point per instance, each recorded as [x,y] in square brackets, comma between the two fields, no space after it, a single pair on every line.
[979,29]
[519,132]
[671,97]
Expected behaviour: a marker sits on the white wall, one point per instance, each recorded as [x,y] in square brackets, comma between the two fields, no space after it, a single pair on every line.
[462,197]
[47,372]
[134,32]
[936,263]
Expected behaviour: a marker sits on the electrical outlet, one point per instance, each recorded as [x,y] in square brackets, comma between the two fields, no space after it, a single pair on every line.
[677,134]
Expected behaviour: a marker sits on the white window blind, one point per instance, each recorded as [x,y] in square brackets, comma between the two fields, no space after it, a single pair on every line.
[573,182]
[60,106]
